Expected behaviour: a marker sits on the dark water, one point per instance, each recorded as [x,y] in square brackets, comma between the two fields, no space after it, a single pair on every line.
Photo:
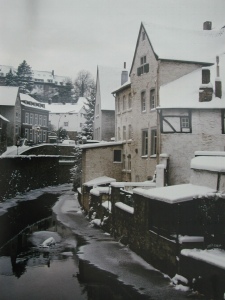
[29,272]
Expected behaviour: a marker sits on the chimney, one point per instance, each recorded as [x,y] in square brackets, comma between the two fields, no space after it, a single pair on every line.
[218,83]
[49,101]
[205,89]
[124,75]
[53,73]
[207,25]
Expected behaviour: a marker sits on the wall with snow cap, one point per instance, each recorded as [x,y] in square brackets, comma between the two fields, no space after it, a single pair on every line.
[24,173]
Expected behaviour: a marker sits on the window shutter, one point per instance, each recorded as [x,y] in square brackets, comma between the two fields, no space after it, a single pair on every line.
[146,68]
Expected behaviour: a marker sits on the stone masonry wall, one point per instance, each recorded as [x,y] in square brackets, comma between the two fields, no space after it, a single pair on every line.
[161,72]
[23,173]
[206,135]
[97,162]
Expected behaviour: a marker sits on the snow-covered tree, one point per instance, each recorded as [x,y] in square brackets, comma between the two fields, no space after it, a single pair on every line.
[24,78]
[62,133]
[11,79]
[87,129]
[83,84]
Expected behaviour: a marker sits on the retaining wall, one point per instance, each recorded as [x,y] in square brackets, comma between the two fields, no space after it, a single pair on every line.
[23,173]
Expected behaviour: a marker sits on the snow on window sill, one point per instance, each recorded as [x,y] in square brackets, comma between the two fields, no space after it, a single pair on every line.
[153,156]
[153,109]
[144,111]
[144,156]
[117,162]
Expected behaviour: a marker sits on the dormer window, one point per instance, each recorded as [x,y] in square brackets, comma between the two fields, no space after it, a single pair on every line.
[144,68]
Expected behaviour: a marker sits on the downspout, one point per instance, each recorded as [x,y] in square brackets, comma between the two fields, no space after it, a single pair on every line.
[158,145]
[114,95]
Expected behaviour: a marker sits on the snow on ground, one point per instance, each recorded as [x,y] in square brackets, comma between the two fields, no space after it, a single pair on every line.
[12,150]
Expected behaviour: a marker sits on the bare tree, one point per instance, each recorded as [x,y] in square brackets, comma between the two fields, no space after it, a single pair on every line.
[83,84]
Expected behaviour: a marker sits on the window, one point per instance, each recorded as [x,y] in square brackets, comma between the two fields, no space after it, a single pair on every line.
[144,68]
[124,133]
[129,101]
[26,133]
[223,121]
[31,134]
[44,121]
[153,141]
[124,103]
[17,129]
[117,155]
[31,119]
[40,120]
[17,116]
[185,122]
[152,99]
[27,118]
[144,142]
[118,134]
[66,124]
[124,161]
[143,102]
[36,119]
[129,162]
[129,132]
[118,104]
[44,135]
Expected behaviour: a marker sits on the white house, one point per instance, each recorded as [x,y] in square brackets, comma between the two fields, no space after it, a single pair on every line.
[70,117]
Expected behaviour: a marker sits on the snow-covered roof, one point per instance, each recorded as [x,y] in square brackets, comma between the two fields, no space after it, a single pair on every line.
[109,78]
[209,153]
[184,92]
[215,257]
[57,108]
[124,86]
[25,97]
[101,144]
[185,44]
[8,95]
[175,193]
[5,69]
[48,77]
[3,118]
[125,207]
[99,181]
[209,163]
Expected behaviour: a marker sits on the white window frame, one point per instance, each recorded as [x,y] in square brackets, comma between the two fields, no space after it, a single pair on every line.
[143,101]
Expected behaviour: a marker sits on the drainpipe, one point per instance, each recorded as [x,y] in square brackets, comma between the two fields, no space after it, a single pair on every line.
[158,146]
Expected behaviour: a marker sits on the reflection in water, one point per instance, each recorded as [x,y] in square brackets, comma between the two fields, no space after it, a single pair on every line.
[101,285]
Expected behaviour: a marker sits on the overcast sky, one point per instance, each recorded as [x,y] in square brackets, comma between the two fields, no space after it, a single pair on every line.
[72,35]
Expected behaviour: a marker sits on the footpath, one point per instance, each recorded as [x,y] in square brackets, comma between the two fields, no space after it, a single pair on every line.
[102,251]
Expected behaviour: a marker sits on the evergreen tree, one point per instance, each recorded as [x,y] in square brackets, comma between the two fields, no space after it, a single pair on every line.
[24,78]
[87,129]
[10,79]
[66,92]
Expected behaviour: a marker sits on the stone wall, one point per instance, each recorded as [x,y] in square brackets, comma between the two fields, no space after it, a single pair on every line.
[50,149]
[23,173]
[206,135]
[98,161]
